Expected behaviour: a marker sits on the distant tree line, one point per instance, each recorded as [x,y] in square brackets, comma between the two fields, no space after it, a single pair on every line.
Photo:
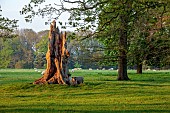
[28,50]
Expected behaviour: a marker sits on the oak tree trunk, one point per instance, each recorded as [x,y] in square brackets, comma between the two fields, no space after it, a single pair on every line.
[57,58]
[122,61]
[139,68]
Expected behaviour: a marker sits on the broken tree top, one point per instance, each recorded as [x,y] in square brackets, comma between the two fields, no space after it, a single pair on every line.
[57,58]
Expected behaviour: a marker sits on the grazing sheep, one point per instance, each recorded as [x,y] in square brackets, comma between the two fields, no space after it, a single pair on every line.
[77,80]
[43,72]
[90,69]
[111,69]
[72,70]
[73,81]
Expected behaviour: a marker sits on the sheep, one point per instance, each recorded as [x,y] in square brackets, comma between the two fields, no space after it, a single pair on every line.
[42,73]
[77,80]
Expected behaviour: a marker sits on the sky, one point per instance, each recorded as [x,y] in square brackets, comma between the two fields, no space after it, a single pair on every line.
[11,8]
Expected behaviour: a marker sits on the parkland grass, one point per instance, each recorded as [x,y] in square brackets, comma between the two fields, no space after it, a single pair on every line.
[100,93]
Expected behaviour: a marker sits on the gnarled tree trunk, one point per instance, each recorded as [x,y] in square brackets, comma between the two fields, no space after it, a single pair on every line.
[57,58]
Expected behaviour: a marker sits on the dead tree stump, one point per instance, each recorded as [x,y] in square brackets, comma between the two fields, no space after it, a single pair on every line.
[57,58]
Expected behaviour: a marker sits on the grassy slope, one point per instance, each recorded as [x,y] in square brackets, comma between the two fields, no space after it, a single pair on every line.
[100,93]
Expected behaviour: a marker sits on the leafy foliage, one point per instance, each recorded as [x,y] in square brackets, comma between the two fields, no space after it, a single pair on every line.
[19,52]
[7,27]
[5,52]
[145,44]
[41,49]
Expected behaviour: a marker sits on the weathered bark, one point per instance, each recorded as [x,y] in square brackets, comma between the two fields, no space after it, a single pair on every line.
[139,68]
[122,63]
[57,58]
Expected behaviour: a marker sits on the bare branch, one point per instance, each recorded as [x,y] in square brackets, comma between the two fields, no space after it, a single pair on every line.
[78,1]
[110,20]
[85,6]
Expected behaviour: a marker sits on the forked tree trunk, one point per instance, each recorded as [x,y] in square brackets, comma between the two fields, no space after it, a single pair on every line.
[57,57]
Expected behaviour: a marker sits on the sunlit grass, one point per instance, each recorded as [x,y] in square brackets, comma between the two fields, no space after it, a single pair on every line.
[100,93]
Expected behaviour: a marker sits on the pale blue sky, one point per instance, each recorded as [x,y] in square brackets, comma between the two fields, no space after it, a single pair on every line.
[11,8]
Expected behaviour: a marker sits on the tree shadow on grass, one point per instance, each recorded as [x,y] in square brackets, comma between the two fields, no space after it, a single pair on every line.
[83,108]
[82,111]
[153,80]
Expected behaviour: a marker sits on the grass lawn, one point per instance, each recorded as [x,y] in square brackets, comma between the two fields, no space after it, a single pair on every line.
[101,93]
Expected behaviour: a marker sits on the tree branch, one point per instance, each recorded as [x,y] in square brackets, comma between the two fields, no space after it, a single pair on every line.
[85,7]
[68,1]
[164,10]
